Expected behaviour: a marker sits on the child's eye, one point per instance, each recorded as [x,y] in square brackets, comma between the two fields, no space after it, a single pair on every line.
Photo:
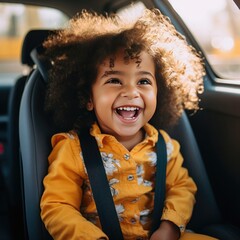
[114,81]
[144,81]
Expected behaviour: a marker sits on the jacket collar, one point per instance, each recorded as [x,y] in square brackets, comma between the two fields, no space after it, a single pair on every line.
[151,135]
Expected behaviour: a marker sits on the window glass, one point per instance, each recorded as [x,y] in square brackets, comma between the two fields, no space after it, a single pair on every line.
[15,21]
[216,26]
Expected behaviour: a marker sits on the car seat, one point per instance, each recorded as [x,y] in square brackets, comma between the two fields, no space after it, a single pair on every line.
[11,165]
[36,129]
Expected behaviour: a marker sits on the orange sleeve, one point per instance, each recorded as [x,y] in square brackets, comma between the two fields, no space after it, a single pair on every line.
[61,200]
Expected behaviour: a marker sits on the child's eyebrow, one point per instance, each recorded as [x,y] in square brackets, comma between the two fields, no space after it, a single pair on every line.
[107,73]
[146,73]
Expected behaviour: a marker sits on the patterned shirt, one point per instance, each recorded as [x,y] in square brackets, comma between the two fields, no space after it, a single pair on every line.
[68,207]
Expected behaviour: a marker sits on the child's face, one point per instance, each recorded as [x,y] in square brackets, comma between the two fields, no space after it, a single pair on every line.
[124,96]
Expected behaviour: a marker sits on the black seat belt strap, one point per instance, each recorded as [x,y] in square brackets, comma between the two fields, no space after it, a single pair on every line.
[101,190]
[100,186]
[160,182]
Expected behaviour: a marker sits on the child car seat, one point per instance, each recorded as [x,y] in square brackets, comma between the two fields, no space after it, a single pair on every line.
[11,166]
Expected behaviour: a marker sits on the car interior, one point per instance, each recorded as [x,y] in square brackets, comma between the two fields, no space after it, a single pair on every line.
[209,139]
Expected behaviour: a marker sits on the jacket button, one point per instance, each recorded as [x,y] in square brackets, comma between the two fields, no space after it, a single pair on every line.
[133,220]
[130,177]
[182,228]
[126,156]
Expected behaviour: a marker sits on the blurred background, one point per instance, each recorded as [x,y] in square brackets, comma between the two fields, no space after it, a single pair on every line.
[214,23]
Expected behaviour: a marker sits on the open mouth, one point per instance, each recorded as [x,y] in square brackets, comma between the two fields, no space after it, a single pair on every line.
[128,113]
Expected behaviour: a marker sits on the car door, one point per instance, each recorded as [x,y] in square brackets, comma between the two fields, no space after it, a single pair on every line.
[217,124]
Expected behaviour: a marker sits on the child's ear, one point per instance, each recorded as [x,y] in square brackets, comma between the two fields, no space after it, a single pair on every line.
[90,105]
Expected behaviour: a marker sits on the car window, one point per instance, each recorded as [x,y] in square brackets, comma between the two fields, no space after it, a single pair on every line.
[15,21]
[215,25]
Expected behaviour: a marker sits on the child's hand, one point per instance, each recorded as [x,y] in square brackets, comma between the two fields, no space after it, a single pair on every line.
[166,231]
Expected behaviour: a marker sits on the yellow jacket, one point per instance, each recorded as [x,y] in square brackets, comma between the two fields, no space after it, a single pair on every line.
[67,206]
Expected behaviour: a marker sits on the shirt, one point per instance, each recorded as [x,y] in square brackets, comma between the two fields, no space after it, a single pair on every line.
[67,206]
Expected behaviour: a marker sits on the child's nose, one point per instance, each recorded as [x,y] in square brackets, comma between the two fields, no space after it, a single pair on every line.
[130,92]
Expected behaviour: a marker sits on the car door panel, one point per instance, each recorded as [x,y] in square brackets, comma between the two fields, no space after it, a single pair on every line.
[217,130]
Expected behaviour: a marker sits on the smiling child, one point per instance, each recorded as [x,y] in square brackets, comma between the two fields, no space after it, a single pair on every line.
[124,81]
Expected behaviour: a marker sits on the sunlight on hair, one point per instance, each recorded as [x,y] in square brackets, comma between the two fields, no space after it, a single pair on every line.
[94,37]
[132,12]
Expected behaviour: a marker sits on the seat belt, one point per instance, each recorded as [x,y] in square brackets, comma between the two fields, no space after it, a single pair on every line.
[101,190]
[100,186]
[160,183]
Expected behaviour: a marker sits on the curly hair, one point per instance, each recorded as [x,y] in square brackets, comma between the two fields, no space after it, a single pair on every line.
[90,38]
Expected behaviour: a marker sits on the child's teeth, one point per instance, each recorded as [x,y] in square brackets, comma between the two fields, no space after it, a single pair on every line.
[128,108]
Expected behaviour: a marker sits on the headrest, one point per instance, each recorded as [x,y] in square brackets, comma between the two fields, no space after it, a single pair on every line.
[41,63]
[33,39]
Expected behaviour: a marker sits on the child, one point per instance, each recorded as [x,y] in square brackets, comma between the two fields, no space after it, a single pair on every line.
[124,80]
